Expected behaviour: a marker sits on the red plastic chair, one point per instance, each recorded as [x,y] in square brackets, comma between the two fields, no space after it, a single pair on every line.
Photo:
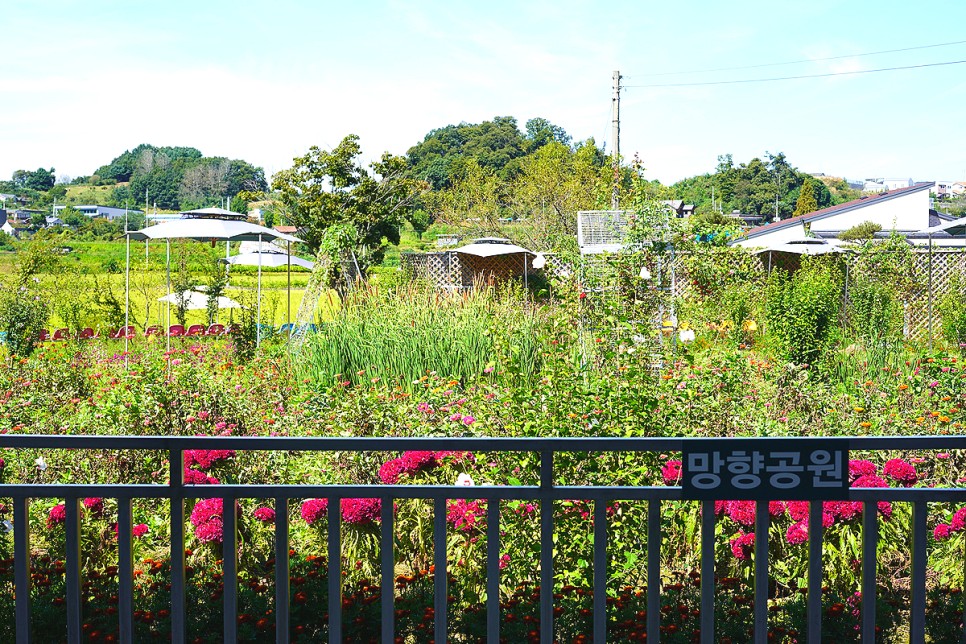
[124,331]
[44,335]
[195,329]
[176,330]
[152,330]
[216,329]
[87,333]
[61,335]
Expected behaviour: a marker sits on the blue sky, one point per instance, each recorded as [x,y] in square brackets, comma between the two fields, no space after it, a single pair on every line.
[80,82]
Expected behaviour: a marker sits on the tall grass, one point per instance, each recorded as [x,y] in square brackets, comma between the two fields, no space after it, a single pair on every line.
[400,334]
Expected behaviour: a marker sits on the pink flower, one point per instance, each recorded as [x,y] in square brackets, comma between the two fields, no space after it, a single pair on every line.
[456,418]
[95,505]
[859,467]
[424,407]
[314,509]
[57,515]
[504,561]
[742,512]
[844,510]
[776,508]
[205,458]
[901,472]
[390,470]
[797,533]
[869,480]
[194,477]
[468,420]
[941,532]
[958,524]
[742,544]
[361,511]
[211,531]
[464,514]
[205,510]
[265,514]
[798,510]
[416,461]
[140,530]
[671,472]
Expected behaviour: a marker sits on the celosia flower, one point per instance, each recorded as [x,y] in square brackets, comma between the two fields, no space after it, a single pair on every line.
[194,477]
[314,509]
[416,461]
[776,508]
[901,472]
[869,480]
[390,470]
[361,511]
[859,467]
[671,472]
[742,545]
[140,530]
[742,512]
[205,458]
[941,532]
[265,514]
[958,523]
[95,505]
[797,533]
[205,510]
[210,532]
[57,515]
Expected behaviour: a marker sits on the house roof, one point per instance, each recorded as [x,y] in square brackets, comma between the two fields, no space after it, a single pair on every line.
[831,211]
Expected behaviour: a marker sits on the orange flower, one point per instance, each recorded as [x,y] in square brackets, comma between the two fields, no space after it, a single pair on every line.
[903,387]
[865,424]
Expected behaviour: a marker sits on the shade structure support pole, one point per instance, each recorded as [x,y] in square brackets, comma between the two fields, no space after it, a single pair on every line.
[258,323]
[929,321]
[167,264]
[288,314]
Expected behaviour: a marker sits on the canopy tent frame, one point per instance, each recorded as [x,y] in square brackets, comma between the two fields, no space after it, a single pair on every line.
[227,226]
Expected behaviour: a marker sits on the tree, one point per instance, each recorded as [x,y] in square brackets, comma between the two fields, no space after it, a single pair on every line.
[324,188]
[40,180]
[71,217]
[860,232]
[806,200]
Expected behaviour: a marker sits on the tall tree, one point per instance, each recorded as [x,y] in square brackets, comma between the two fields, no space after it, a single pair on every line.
[806,200]
[324,189]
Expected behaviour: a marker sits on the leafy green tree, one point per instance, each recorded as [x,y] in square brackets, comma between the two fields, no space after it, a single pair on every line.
[40,180]
[71,217]
[540,132]
[806,200]
[860,232]
[325,188]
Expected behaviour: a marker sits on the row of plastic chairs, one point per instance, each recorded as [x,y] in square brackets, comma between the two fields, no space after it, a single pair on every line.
[176,331]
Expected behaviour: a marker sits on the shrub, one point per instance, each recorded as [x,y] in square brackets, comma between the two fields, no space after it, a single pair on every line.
[802,310]
[952,308]
[860,232]
[875,312]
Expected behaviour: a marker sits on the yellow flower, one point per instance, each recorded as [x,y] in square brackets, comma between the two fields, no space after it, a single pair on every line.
[865,424]
[750,326]
[944,419]
[858,410]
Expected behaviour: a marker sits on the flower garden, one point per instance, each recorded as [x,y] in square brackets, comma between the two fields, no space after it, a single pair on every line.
[397,361]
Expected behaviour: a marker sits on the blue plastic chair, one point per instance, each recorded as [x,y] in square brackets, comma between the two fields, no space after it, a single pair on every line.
[286,328]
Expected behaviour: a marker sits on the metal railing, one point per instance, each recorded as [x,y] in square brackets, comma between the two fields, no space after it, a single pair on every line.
[546,492]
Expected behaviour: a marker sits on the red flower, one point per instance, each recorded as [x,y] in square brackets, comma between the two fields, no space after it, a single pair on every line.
[742,512]
[57,515]
[265,515]
[361,511]
[95,505]
[390,471]
[797,533]
[941,532]
[859,467]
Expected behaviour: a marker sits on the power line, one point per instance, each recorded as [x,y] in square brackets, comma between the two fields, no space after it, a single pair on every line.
[798,62]
[783,78]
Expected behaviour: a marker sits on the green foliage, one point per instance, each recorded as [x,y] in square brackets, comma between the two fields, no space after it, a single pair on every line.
[802,310]
[806,202]
[952,308]
[326,188]
[860,232]
[40,179]
[875,312]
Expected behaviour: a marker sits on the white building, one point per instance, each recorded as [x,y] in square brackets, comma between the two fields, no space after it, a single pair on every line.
[904,210]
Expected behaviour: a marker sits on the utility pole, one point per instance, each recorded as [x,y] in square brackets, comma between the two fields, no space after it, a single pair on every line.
[615,199]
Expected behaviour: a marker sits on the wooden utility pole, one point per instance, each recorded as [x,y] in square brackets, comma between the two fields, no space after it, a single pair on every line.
[615,197]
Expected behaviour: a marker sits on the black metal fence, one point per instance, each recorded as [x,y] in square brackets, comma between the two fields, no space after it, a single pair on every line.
[546,492]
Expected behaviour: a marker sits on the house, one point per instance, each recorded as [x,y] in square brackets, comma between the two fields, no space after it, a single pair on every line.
[680,209]
[944,189]
[100,212]
[904,210]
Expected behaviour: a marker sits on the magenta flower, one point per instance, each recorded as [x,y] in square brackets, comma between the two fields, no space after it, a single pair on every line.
[95,505]
[194,477]
[958,524]
[901,472]
[776,508]
[361,511]
[859,467]
[742,512]
[468,420]
[210,532]
[205,510]
[314,509]
[869,480]
[671,472]
[265,514]
[464,514]
[797,533]
[941,532]
[57,515]
[416,461]
[741,546]
[205,458]
[140,530]
[390,471]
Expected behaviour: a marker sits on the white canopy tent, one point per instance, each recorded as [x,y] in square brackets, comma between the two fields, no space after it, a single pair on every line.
[205,225]
[197,300]
[269,260]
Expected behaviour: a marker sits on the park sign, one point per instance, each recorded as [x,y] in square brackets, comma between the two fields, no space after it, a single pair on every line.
[767,469]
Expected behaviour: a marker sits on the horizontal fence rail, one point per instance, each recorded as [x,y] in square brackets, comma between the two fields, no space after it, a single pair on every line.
[546,492]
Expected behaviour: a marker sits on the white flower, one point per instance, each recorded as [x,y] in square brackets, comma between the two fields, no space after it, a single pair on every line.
[686,335]
[41,463]
[645,274]
[465,480]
